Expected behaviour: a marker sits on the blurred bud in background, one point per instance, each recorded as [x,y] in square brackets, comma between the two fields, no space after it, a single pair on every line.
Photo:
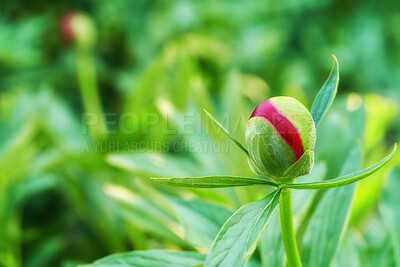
[78,28]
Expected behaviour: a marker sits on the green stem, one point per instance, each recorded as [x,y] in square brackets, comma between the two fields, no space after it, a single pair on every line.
[89,93]
[288,235]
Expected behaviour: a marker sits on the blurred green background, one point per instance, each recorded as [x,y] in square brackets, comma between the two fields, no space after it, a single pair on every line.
[68,196]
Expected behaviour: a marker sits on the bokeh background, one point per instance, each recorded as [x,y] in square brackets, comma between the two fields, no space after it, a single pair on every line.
[69,196]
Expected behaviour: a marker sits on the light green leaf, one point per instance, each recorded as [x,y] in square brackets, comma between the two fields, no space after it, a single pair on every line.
[238,237]
[303,198]
[375,248]
[349,253]
[326,95]
[390,211]
[272,250]
[344,180]
[330,220]
[226,131]
[157,164]
[201,220]
[140,211]
[213,181]
[151,258]
[154,164]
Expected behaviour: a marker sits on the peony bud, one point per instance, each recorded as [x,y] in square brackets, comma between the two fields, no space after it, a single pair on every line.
[78,28]
[280,138]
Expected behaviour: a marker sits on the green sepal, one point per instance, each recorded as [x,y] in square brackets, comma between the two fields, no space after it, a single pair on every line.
[84,31]
[326,95]
[226,131]
[268,151]
[301,167]
[254,167]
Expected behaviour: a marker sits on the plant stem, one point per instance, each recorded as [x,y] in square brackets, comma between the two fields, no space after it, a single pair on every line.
[288,235]
[89,93]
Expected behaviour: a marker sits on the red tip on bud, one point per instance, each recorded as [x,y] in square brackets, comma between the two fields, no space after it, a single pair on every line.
[66,26]
[282,125]
[79,28]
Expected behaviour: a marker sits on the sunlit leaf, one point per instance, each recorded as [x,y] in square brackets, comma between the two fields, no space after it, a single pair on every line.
[201,220]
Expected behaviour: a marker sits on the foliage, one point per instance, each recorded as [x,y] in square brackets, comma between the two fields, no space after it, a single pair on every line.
[70,197]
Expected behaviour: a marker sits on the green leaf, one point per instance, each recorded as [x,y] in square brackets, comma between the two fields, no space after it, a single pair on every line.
[271,245]
[344,180]
[349,253]
[303,198]
[390,211]
[45,252]
[213,181]
[155,164]
[151,258]
[238,237]
[140,211]
[326,95]
[272,250]
[375,248]
[328,224]
[201,220]
[226,131]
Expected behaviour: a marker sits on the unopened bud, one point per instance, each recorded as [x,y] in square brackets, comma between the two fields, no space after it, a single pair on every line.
[280,138]
[78,28]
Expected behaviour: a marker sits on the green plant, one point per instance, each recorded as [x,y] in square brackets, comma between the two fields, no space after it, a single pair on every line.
[79,29]
[251,220]
[70,194]
[238,237]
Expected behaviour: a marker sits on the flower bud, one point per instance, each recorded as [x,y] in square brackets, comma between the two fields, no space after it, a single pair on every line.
[280,138]
[78,28]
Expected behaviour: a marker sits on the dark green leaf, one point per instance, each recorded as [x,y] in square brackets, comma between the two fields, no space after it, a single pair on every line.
[213,181]
[326,95]
[238,237]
